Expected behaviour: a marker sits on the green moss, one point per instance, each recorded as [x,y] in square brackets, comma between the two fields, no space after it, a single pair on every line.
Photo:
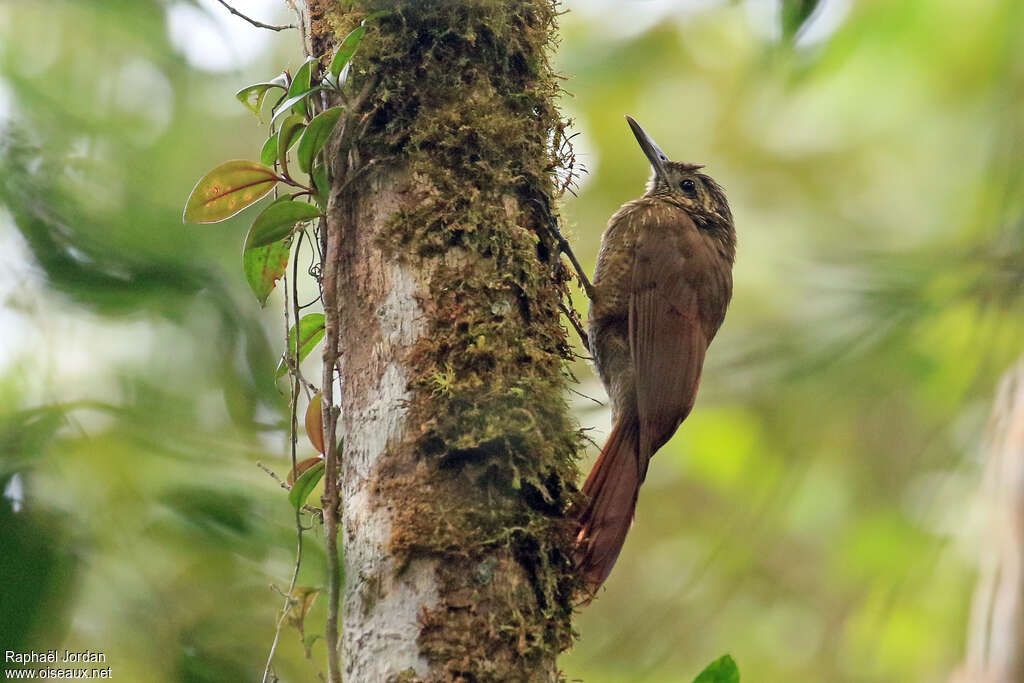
[407,676]
[465,103]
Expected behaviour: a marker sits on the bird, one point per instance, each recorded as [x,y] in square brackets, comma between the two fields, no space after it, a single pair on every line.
[661,288]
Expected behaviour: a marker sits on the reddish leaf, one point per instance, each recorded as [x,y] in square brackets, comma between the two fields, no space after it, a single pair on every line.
[300,467]
[315,422]
[264,266]
[228,189]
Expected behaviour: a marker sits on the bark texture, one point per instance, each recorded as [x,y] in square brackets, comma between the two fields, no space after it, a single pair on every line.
[459,457]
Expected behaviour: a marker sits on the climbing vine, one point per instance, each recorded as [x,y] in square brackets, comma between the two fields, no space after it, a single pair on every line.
[294,168]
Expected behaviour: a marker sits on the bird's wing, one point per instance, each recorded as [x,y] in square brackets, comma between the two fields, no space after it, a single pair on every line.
[666,337]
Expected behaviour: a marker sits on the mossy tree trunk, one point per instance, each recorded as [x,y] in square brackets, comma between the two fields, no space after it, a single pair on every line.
[458,466]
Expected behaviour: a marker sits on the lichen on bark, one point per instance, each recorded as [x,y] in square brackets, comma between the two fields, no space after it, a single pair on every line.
[477,476]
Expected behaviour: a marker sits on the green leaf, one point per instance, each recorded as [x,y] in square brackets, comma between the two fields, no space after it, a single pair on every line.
[277,222]
[316,136]
[322,184]
[291,127]
[305,484]
[268,155]
[311,331]
[264,266]
[301,84]
[252,96]
[228,189]
[343,78]
[722,670]
[795,14]
[289,103]
[346,50]
[300,467]
[370,18]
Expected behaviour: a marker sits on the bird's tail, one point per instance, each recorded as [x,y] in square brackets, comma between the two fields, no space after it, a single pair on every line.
[611,491]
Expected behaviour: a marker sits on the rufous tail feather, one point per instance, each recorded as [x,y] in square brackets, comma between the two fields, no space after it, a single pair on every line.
[611,491]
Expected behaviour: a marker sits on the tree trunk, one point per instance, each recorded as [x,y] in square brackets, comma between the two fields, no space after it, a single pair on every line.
[458,465]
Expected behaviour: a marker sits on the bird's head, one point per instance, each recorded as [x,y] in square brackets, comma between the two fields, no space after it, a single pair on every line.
[683,185]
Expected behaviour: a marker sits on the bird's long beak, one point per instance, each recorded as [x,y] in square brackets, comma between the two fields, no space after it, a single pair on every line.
[651,149]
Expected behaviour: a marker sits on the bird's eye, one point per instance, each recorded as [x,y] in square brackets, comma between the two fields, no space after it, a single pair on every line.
[688,186]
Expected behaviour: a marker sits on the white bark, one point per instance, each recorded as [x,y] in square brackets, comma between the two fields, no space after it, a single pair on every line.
[381,322]
[453,567]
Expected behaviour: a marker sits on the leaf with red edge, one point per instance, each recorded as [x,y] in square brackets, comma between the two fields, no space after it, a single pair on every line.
[228,189]
[264,266]
[300,467]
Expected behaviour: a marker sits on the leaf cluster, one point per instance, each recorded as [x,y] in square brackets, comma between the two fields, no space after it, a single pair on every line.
[295,123]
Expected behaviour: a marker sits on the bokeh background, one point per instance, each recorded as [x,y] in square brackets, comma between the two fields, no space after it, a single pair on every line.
[816,515]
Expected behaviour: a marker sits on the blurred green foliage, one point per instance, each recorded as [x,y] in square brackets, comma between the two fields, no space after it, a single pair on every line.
[813,514]
[136,521]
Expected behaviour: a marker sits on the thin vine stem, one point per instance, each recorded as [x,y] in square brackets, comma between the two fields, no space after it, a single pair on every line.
[291,310]
[254,22]
[331,498]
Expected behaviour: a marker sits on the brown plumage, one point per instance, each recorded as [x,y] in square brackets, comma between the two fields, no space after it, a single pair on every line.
[661,288]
